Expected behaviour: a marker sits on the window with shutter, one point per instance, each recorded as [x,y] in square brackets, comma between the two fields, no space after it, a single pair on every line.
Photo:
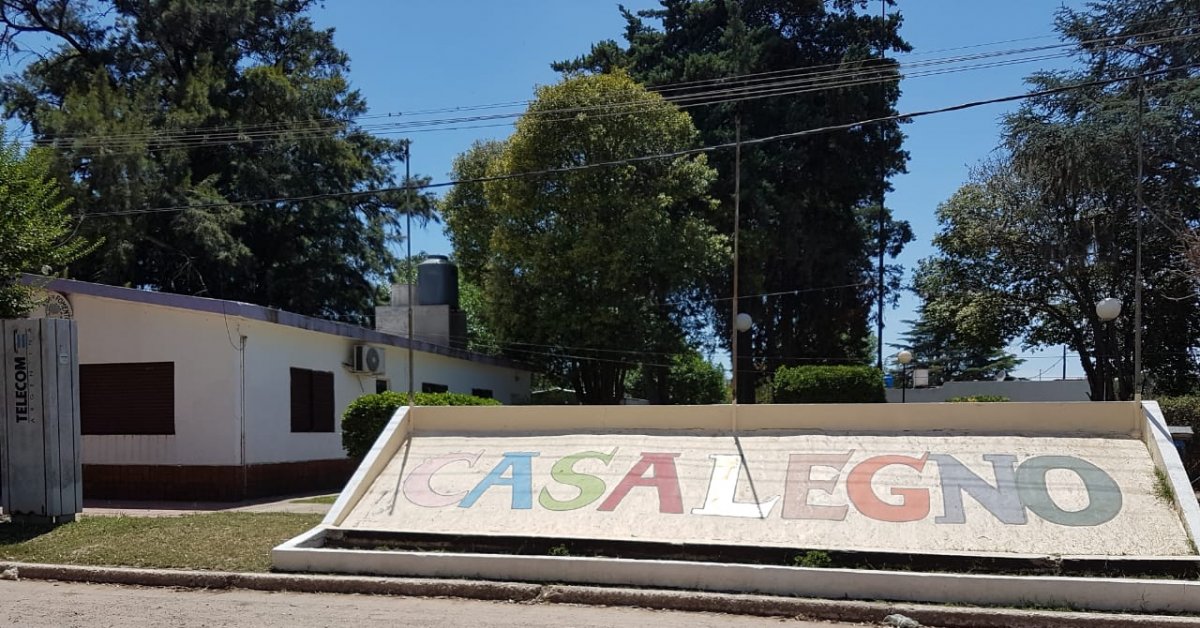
[312,401]
[127,398]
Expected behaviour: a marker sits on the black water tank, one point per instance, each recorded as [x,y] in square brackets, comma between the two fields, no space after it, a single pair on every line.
[437,282]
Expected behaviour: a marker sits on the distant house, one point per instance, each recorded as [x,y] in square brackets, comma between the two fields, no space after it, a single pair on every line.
[188,398]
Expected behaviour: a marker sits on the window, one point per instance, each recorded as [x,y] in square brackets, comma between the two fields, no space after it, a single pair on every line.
[312,401]
[426,387]
[382,385]
[486,393]
[130,398]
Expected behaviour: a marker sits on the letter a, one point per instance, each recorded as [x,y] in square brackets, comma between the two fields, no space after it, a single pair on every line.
[664,479]
[521,480]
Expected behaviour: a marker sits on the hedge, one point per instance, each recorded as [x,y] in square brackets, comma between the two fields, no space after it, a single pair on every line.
[828,384]
[1185,410]
[978,399]
[366,417]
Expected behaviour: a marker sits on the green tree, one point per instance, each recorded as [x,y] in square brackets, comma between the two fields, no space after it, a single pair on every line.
[584,272]
[801,199]
[37,233]
[936,345]
[205,107]
[690,380]
[1041,234]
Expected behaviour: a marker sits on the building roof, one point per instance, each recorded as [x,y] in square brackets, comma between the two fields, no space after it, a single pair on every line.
[261,313]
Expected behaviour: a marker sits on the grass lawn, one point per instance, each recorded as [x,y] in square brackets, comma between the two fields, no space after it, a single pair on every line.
[225,541]
[320,499]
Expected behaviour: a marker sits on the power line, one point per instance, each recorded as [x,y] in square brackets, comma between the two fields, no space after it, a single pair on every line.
[803,78]
[644,158]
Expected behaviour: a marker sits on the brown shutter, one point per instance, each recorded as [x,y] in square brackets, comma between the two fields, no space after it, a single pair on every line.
[322,402]
[301,400]
[127,398]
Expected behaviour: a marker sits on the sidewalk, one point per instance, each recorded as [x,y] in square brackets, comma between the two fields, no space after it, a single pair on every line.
[111,508]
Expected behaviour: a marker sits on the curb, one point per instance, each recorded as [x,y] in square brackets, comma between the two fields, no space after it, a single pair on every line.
[737,604]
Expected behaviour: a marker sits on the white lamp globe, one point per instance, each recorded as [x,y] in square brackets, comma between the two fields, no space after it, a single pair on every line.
[743,322]
[904,357]
[1108,309]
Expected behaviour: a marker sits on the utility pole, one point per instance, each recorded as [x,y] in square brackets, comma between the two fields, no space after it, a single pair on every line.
[412,278]
[1137,273]
[737,219]
[882,215]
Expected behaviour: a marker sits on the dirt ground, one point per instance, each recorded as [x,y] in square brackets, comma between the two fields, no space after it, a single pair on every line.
[30,604]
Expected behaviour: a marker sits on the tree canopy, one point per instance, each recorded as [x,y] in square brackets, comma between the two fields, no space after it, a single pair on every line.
[1047,229]
[172,123]
[586,273]
[802,238]
[37,232]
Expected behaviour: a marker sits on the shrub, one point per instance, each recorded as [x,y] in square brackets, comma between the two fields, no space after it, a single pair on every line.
[829,384]
[978,399]
[366,417]
[1184,410]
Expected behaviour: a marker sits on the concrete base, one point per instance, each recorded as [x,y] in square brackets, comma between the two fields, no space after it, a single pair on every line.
[307,554]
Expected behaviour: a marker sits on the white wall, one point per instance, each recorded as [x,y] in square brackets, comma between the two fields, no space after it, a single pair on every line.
[271,352]
[209,379]
[206,374]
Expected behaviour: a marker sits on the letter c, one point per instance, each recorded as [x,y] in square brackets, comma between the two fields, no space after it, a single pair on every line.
[417,487]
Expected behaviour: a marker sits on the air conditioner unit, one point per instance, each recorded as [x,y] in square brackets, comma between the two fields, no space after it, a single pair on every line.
[368,359]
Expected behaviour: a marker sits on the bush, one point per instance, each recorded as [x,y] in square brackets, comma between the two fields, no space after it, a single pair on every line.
[366,417]
[978,399]
[1184,410]
[829,384]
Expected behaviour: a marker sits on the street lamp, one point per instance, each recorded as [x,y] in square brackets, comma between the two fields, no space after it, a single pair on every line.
[904,357]
[1107,310]
[744,322]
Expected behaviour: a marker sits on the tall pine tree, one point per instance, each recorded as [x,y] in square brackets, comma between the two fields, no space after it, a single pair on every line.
[801,198]
[205,106]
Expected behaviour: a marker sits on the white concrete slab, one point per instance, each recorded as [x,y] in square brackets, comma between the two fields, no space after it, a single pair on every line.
[920,493]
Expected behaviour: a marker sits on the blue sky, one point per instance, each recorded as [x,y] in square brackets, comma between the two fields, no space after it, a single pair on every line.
[411,56]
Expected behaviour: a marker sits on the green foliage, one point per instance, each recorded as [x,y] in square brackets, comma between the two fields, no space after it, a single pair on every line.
[579,271]
[978,399]
[560,550]
[813,559]
[809,206]
[36,230]
[1162,486]
[951,355]
[209,105]
[1048,228]
[1181,410]
[829,384]
[690,380]
[365,418]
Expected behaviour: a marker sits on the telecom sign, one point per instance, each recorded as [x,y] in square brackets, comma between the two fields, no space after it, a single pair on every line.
[1065,495]
[39,438]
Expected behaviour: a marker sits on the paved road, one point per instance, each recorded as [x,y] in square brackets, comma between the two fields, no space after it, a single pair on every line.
[31,604]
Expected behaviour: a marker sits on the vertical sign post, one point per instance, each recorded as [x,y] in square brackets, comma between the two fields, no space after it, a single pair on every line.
[40,461]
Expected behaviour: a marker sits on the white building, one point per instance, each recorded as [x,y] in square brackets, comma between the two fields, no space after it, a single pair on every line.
[202,399]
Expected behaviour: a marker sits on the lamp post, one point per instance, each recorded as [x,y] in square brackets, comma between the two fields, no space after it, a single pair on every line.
[1107,310]
[904,357]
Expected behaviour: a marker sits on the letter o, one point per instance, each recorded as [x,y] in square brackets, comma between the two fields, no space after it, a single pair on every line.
[1104,496]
